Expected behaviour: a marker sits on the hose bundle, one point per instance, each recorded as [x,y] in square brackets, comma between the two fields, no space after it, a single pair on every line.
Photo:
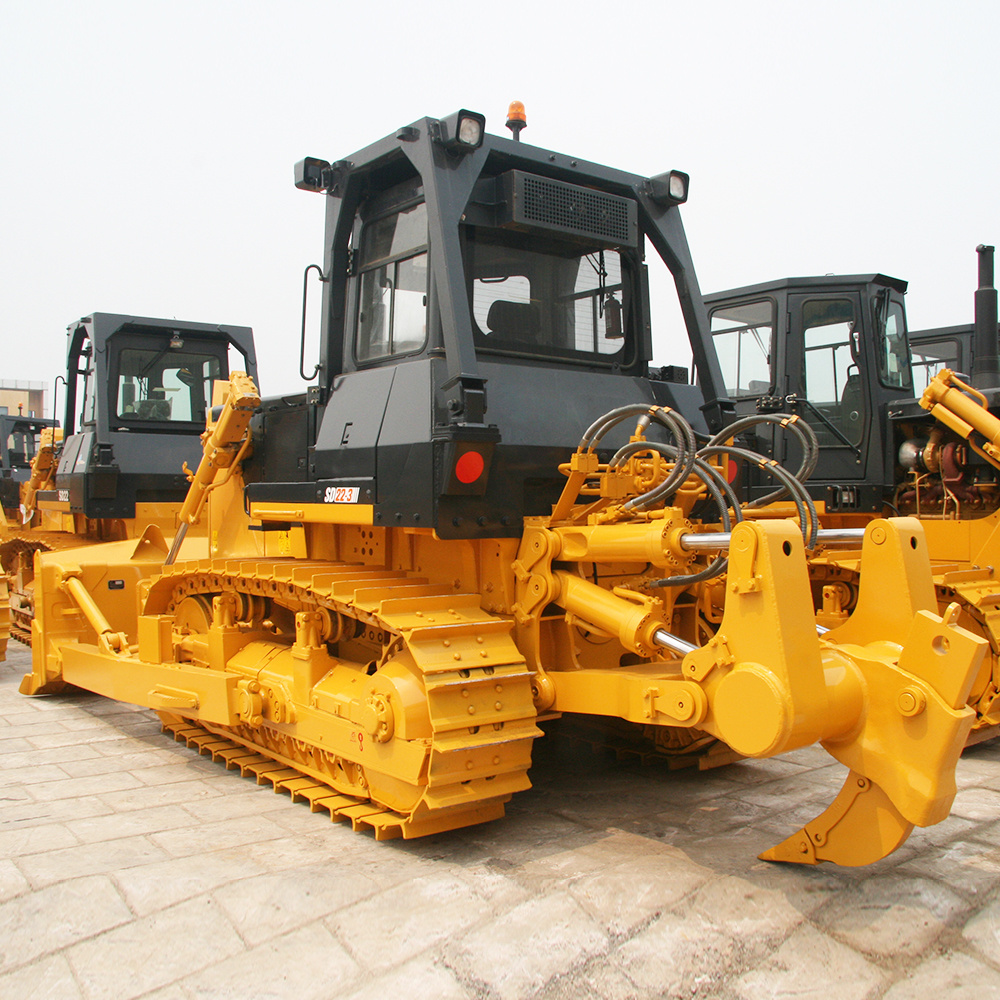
[690,460]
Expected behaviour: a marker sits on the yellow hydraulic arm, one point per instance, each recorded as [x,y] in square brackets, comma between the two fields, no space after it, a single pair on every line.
[224,443]
[947,401]
[42,469]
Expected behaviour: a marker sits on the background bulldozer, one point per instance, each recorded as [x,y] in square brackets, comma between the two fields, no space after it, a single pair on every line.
[137,393]
[836,351]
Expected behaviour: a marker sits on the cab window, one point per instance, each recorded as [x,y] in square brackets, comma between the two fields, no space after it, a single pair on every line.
[893,352]
[561,301]
[22,444]
[744,334]
[928,357]
[172,385]
[831,378]
[392,301]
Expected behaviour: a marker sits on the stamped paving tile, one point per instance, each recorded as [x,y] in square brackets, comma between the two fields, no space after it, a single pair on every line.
[154,951]
[379,933]
[514,954]
[16,842]
[166,882]
[678,955]
[80,787]
[133,823]
[67,756]
[811,964]
[44,921]
[948,977]
[624,895]
[977,804]
[265,906]
[967,866]
[88,859]
[17,813]
[891,914]
[192,839]
[750,913]
[141,796]
[606,881]
[307,964]
[424,977]
[12,882]
[49,977]
[983,932]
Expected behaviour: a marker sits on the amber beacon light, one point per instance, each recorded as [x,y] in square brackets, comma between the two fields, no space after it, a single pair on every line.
[516,119]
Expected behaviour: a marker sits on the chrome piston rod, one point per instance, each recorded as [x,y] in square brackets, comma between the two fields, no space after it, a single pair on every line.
[672,642]
[717,541]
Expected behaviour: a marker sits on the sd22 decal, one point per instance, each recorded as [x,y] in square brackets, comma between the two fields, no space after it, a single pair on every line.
[341,494]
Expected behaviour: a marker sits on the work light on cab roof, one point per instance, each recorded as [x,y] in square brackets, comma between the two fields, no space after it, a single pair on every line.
[461,132]
[670,188]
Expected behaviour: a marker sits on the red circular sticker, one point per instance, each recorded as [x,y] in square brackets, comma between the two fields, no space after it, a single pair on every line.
[732,471]
[469,467]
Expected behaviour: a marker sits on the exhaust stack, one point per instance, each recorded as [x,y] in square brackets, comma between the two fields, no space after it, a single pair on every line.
[985,349]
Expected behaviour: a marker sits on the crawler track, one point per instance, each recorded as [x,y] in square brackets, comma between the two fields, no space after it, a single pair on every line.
[284,777]
[475,684]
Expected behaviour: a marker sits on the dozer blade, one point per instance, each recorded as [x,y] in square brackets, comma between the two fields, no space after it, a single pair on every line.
[859,827]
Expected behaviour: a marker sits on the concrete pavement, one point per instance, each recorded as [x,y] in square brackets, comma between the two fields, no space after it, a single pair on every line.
[132,867]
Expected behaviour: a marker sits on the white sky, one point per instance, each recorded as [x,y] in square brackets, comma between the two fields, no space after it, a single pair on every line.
[147,147]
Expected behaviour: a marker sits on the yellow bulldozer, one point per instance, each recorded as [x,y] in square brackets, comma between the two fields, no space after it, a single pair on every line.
[137,392]
[490,514]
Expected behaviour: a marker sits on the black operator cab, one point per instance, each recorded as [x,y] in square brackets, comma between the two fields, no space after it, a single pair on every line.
[831,349]
[137,394]
[19,441]
[483,302]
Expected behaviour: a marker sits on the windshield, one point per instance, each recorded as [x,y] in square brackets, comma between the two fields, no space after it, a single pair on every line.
[166,383]
[568,303]
[742,334]
[22,443]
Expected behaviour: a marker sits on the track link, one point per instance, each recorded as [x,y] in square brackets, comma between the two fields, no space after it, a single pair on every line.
[17,554]
[362,814]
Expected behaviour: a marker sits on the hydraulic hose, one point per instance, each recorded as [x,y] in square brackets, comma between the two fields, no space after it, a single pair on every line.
[805,434]
[808,518]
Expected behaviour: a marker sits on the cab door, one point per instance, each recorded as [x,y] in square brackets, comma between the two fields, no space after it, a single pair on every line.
[827,372]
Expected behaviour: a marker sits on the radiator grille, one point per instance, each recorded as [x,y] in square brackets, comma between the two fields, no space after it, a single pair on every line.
[576,208]
[543,203]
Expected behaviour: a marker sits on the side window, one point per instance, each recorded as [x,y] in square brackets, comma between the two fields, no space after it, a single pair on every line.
[893,354]
[514,289]
[832,380]
[392,302]
[87,389]
[597,303]
[929,357]
[744,334]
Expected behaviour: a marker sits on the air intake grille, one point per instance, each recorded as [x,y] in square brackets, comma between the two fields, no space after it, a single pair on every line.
[547,204]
